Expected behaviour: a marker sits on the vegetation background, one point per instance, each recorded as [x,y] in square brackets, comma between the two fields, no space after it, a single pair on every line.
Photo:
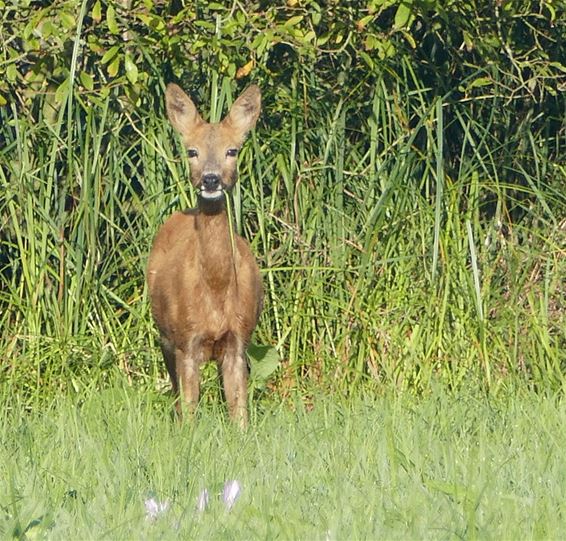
[404,192]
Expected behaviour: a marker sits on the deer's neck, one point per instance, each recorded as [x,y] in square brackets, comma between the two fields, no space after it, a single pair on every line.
[215,248]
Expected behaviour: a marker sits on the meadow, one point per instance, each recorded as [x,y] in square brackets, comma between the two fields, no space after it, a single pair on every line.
[394,467]
[407,207]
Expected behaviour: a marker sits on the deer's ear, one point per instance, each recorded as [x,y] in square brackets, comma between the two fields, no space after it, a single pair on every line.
[181,110]
[245,110]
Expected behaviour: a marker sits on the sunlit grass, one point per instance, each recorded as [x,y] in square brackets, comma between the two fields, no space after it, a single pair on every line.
[366,468]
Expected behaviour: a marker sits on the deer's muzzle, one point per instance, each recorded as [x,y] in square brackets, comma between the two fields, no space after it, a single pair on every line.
[211,186]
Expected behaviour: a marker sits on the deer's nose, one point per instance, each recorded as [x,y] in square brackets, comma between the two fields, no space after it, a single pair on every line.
[211,182]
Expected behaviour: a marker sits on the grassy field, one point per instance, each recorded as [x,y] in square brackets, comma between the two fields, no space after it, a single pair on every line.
[397,467]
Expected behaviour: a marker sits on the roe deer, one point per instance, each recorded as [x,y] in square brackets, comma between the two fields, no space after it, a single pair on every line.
[205,291]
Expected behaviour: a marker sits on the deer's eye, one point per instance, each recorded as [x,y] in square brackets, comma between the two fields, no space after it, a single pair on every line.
[192,152]
[232,152]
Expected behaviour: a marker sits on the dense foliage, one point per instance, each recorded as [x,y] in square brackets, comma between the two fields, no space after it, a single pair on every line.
[404,190]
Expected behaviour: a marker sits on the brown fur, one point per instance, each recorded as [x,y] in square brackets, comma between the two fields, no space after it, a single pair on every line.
[206,299]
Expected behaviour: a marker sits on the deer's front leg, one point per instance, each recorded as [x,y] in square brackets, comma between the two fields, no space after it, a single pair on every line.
[187,368]
[235,380]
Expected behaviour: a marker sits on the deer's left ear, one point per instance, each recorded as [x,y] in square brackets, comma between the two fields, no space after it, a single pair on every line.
[245,110]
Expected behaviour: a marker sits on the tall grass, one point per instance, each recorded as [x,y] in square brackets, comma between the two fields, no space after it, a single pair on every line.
[383,265]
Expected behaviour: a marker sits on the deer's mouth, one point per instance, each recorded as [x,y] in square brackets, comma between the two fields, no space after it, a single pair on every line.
[213,194]
[211,186]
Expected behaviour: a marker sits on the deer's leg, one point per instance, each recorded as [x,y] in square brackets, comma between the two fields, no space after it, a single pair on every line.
[168,350]
[235,380]
[169,354]
[187,369]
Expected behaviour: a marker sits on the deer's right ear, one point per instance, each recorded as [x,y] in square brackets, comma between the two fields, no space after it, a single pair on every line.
[181,110]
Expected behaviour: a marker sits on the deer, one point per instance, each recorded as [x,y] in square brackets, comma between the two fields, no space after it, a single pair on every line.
[204,283]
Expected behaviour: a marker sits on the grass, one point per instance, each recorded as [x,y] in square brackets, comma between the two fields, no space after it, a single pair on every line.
[395,467]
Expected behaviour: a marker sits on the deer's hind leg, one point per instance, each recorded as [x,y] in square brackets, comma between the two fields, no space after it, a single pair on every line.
[169,355]
[168,351]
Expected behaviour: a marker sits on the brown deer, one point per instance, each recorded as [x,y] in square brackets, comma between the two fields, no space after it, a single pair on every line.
[204,285]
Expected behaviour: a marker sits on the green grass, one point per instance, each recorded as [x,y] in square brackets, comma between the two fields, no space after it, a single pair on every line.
[396,467]
[418,312]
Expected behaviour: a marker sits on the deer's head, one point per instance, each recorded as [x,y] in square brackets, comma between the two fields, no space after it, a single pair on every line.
[213,147]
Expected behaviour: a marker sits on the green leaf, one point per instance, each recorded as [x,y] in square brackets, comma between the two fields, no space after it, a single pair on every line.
[558,66]
[111,20]
[97,11]
[410,39]
[321,40]
[293,21]
[403,15]
[62,91]
[367,59]
[110,54]
[86,80]
[11,72]
[387,50]
[468,41]
[154,22]
[29,28]
[114,66]
[372,42]
[67,19]
[48,29]
[207,25]
[479,82]
[309,36]
[264,361]
[131,69]
[361,24]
